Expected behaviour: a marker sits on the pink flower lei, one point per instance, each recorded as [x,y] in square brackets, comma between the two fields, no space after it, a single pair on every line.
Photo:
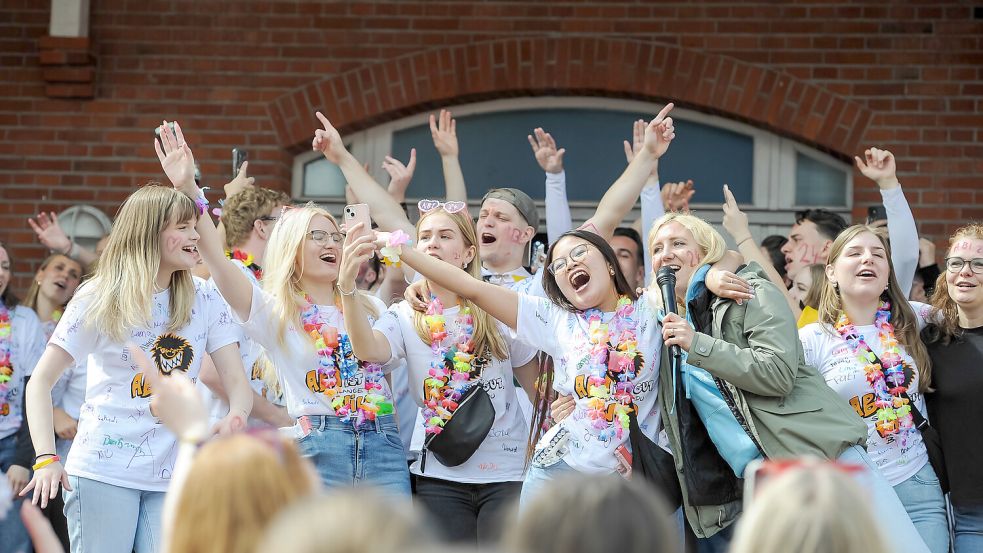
[611,370]
[444,387]
[6,364]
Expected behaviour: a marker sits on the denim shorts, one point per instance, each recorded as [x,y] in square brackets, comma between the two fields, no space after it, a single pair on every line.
[345,456]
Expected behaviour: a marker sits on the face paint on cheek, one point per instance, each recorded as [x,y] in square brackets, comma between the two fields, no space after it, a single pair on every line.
[692,259]
[172,243]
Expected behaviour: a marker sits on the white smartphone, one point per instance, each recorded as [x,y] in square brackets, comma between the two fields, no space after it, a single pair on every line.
[358,213]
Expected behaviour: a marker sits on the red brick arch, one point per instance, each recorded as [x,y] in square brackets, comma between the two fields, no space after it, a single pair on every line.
[567,66]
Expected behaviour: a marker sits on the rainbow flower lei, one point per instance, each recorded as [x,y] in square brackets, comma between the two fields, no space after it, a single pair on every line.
[248,260]
[334,349]
[887,377]
[6,364]
[613,348]
[445,387]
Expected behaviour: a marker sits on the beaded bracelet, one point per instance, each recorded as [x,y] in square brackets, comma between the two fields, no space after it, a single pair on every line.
[46,462]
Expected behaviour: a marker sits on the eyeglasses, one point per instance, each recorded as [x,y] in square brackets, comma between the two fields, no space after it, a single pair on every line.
[321,237]
[956,264]
[426,206]
[267,218]
[578,253]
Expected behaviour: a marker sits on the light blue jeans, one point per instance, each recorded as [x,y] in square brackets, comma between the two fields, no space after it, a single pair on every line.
[888,510]
[922,498]
[345,456]
[112,519]
[538,478]
[13,535]
[968,532]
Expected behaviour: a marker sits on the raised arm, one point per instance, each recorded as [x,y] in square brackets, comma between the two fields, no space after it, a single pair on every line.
[443,130]
[51,235]
[735,222]
[620,198]
[498,301]
[880,167]
[386,212]
[367,344]
[652,201]
[400,176]
[550,159]
[179,165]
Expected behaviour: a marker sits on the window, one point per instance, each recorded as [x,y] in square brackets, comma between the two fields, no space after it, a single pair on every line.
[769,175]
[84,225]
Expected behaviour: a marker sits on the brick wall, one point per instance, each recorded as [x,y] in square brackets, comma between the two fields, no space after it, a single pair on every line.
[836,75]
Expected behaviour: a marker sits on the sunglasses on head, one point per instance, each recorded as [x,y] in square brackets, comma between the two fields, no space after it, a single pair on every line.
[426,206]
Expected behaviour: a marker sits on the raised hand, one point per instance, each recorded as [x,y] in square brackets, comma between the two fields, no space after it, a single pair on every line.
[240,183]
[735,220]
[50,233]
[659,133]
[176,159]
[544,148]
[399,175]
[926,253]
[328,141]
[676,195]
[879,166]
[358,248]
[638,139]
[444,134]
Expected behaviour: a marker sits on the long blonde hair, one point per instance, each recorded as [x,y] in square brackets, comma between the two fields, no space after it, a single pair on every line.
[711,243]
[945,312]
[31,299]
[284,263]
[818,509]
[902,315]
[485,330]
[252,478]
[122,288]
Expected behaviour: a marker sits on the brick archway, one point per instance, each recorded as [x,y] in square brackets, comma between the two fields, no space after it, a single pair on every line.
[610,67]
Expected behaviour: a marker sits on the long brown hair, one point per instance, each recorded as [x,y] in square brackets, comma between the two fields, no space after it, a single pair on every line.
[902,315]
[235,487]
[945,312]
[31,300]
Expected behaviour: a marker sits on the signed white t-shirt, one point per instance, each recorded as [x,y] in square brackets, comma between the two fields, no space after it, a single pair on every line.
[501,456]
[119,440]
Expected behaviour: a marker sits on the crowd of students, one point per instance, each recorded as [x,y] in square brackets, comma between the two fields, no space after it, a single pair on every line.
[280,380]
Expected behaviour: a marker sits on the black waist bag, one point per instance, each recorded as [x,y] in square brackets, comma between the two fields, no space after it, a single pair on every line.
[464,431]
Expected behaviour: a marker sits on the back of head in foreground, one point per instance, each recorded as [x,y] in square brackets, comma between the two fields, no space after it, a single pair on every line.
[354,520]
[595,514]
[818,508]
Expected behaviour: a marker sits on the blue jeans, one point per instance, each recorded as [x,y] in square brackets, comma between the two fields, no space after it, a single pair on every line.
[537,480]
[346,456]
[112,519]
[887,509]
[922,498]
[13,535]
[968,532]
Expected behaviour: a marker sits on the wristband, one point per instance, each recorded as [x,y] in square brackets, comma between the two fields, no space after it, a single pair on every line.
[344,293]
[44,455]
[46,462]
[394,247]
[743,241]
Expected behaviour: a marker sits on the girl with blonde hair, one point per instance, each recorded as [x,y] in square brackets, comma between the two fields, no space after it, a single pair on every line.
[467,499]
[346,422]
[817,508]
[142,293]
[867,348]
[742,391]
[955,346]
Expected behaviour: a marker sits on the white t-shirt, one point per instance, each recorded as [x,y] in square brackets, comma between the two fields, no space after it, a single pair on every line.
[296,361]
[252,361]
[26,346]
[899,457]
[119,440]
[501,456]
[564,335]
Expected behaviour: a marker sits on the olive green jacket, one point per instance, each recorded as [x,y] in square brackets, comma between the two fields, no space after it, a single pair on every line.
[791,411]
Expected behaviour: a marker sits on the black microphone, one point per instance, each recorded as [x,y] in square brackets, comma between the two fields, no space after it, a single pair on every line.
[666,278]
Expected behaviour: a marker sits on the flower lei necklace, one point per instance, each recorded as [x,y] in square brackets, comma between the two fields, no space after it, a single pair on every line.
[885,376]
[613,348]
[247,260]
[334,349]
[6,364]
[445,387]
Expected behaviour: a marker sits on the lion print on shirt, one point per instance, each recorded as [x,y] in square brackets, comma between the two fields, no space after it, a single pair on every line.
[170,353]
